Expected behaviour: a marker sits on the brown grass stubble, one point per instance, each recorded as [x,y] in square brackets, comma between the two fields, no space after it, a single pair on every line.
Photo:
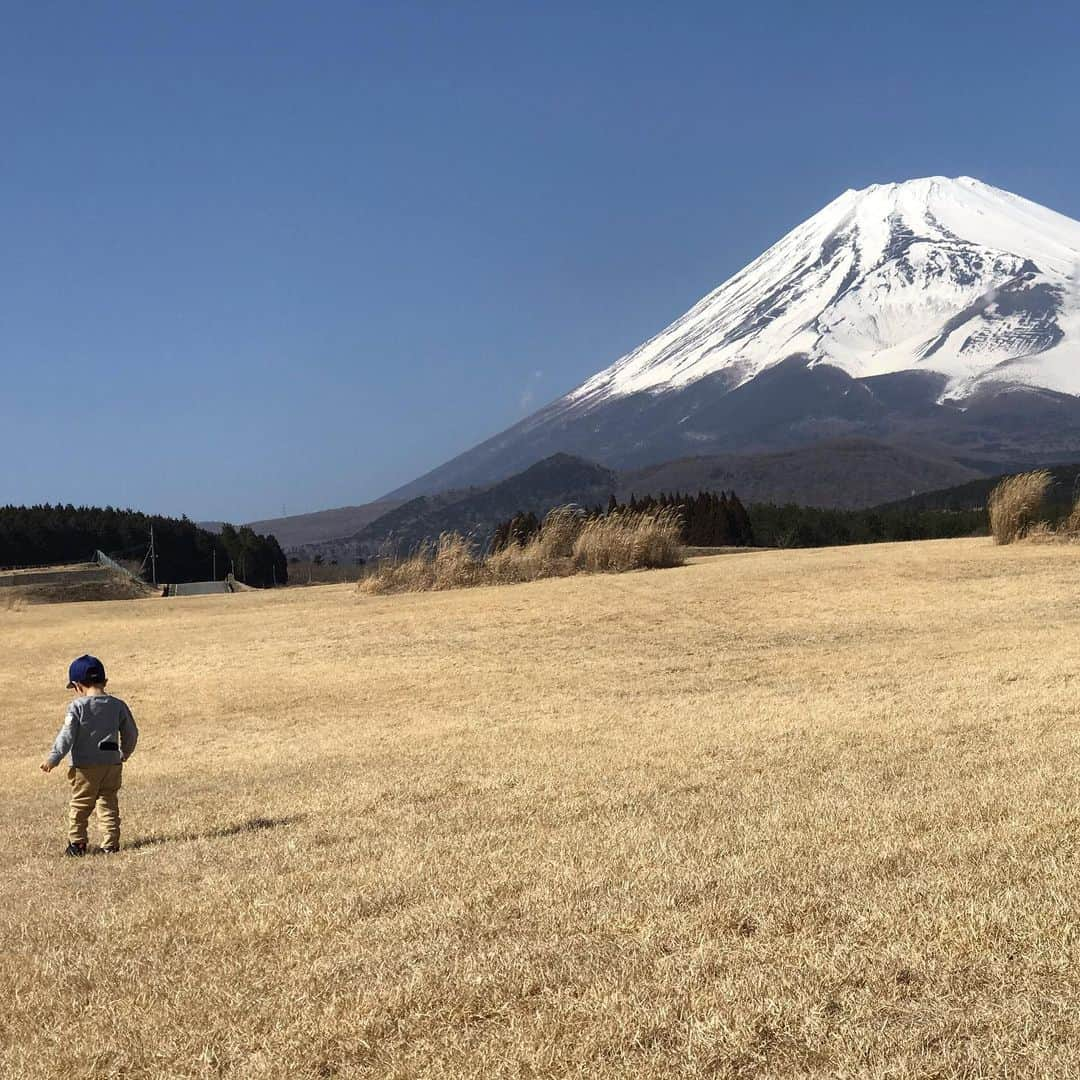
[797,813]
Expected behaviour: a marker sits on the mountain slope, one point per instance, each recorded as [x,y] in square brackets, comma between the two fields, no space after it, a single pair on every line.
[1060,498]
[936,309]
[556,481]
[848,473]
[843,473]
[323,524]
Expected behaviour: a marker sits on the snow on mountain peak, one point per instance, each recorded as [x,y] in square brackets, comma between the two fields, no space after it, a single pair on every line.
[934,274]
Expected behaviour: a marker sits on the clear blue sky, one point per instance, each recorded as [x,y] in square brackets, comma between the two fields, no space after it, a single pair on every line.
[266,254]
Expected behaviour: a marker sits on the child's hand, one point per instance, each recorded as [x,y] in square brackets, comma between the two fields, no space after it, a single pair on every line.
[46,766]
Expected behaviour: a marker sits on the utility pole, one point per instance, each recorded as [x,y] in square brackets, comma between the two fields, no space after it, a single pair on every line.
[152,555]
[214,576]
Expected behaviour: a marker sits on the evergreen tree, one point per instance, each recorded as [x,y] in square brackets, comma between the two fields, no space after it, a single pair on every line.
[40,535]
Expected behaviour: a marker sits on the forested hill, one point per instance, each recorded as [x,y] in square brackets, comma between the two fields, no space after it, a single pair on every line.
[40,535]
[1064,488]
[556,481]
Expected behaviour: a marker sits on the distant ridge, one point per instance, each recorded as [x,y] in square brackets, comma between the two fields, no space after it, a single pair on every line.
[973,495]
[324,524]
[558,480]
[841,473]
[844,473]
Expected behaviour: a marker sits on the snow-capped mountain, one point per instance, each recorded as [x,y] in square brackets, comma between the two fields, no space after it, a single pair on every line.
[952,276]
[914,310]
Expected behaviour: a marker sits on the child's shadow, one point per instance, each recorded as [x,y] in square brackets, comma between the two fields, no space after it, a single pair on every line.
[255,824]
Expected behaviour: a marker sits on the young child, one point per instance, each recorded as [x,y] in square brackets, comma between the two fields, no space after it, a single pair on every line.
[100,734]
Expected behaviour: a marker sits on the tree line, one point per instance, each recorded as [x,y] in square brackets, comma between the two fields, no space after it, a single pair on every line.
[40,535]
[809,526]
[709,519]
[719,519]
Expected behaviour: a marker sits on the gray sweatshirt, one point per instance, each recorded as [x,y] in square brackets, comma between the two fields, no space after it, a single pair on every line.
[98,730]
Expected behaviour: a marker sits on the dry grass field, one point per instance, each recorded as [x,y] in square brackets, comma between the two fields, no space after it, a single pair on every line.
[786,814]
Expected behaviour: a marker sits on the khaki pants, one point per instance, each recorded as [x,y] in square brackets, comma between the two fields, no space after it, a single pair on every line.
[95,785]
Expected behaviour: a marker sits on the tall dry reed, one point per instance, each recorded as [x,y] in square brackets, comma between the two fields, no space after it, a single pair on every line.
[1066,531]
[1071,525]
[622,541]
[567,543]
[450,563]
[1015,503]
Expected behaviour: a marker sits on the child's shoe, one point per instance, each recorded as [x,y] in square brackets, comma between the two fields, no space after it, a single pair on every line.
[76,849]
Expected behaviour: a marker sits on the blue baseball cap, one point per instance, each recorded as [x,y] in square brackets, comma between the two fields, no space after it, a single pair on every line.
[86,670]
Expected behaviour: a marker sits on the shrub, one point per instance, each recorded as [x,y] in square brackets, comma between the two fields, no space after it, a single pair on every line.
[1015,503]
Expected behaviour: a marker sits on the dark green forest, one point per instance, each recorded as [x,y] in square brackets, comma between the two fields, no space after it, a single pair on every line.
[808,526]
[40,535]
[712,519]
[1063,493]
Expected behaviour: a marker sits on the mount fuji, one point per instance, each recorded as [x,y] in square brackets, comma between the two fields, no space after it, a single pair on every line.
[935,312]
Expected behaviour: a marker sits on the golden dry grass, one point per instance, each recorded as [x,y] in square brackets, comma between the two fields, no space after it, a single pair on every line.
[1014,505]
[566,544]
[625,541]
[1066,531]
[792,814]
